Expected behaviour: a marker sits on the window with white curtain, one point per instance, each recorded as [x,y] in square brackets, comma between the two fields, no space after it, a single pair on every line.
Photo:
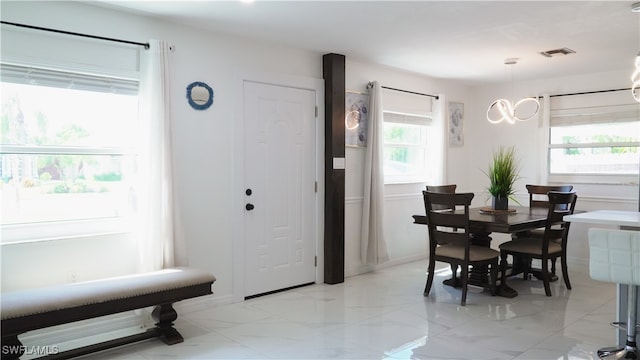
[406,147]
[594,143]
[67,153]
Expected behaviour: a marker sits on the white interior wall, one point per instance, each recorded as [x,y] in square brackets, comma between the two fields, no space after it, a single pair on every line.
[38,264]
[204,151]
[202,141]
[526,136]
[406,241]
[204,192]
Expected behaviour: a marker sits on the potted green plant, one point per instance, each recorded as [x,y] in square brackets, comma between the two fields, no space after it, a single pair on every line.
[503,173]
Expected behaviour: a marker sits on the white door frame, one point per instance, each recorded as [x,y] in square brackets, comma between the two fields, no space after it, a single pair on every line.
[238,196]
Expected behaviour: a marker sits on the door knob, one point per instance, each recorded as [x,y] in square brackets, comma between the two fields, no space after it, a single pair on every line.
[249,207]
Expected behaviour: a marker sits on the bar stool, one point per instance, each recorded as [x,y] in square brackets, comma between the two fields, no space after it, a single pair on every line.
[614,256]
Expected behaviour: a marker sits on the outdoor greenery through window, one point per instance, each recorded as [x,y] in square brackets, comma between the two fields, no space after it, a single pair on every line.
[595,149]
[68,146]
[598,142]
[405,147]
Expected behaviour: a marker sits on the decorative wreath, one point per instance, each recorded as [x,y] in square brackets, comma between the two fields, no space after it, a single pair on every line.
[199,103]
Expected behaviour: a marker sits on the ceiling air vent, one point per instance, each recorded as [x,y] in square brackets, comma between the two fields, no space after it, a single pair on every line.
[557,52]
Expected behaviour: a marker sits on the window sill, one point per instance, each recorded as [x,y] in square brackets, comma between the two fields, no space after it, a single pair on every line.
[41,240]
[60,230]
[406,182]
[621,180]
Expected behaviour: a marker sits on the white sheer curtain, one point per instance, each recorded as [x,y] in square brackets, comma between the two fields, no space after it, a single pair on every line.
[373,247]
[440,127]
[543,138]
[160,243]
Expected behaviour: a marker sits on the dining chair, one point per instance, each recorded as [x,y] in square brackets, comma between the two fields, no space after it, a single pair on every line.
[447,189]
[454,247]
[550,246]
[538,199]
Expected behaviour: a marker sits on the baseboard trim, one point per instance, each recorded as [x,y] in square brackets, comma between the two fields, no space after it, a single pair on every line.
[357,270]
[363,269]
[403,260]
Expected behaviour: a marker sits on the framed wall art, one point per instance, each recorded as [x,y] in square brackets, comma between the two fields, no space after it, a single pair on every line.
[356,119]
[456,122]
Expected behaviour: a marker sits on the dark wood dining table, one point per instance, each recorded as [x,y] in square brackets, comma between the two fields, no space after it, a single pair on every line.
[483,223]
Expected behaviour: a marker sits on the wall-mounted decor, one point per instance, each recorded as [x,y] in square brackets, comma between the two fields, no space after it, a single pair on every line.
[199,95]
[456,122]
[356,118]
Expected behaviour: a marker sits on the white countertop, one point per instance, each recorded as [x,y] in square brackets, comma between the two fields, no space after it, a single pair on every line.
[607,217]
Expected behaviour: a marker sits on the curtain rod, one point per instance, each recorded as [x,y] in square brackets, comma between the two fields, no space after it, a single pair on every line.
[587,92]
[145,45]
[411,92]
[406,91]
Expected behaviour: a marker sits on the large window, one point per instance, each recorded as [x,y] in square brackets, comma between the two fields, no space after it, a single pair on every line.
[68,152]
[406,142]
[596,144]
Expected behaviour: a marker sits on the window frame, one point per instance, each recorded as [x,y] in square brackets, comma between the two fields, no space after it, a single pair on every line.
[425,121]
[37,231]
[590,115]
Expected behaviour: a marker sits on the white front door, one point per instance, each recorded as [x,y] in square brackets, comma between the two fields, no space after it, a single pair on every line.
[279,187]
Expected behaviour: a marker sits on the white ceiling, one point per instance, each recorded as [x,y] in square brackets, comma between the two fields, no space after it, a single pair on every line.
[463,40]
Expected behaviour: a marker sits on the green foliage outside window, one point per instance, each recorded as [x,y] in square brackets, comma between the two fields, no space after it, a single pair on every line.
[599,139]
[57,173]
[399,135]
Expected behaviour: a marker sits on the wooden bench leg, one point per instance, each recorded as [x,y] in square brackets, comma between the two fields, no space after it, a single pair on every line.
[165,315]
[12,348]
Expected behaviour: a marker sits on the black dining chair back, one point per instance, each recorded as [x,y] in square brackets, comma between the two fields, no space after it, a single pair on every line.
[538,193]
[449,240]
[447,189]
[560,205]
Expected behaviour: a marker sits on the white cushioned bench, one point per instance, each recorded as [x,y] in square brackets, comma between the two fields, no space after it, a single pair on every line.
[32,309]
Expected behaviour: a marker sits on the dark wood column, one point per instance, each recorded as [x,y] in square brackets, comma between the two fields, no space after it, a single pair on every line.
[333,69]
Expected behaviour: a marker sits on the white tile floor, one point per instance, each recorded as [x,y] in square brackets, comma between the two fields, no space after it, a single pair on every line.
[383,315]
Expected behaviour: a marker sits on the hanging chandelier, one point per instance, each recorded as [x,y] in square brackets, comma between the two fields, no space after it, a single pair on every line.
[635,78]
[505,110]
